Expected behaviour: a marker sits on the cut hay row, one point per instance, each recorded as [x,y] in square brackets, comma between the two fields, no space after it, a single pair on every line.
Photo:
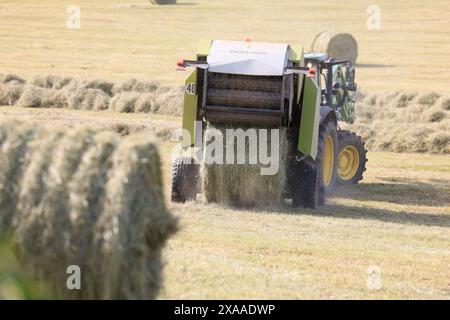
[90,94]
[242,185]
[404,122]
[85,198]
[100,121]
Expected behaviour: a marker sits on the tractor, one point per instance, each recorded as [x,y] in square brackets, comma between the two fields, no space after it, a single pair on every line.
[270,85]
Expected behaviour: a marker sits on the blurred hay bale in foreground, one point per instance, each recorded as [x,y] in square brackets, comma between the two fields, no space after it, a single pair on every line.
[85,198]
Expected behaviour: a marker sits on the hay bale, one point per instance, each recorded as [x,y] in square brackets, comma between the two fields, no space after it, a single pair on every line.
[89,199]
[242,185]
[341,46]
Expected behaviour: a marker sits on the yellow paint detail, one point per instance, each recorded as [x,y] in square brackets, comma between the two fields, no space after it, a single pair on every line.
[348,163]
[203,48]
[296,53]
[328,161]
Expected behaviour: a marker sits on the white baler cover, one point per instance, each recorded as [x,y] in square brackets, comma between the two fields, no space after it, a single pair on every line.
[248,58]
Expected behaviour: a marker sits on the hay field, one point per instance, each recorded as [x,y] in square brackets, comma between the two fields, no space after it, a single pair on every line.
[122,39]
[398,219]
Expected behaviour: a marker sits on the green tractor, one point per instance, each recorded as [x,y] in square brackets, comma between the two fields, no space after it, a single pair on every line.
[268,85]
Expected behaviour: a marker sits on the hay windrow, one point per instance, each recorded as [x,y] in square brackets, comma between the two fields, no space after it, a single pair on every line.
[89,199]
[403,122]
[376,113]
[242,185]
[52,91]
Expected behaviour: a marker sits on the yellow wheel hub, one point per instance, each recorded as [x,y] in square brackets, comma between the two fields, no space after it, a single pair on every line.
[328,161]
[348,162]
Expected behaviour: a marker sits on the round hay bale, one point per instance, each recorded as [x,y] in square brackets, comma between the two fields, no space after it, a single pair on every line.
[94,200]
[341,46]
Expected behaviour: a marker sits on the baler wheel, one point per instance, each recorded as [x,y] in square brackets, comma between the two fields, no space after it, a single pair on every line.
[185,180]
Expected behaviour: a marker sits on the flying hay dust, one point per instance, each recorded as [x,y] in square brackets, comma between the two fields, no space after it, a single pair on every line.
[243,185]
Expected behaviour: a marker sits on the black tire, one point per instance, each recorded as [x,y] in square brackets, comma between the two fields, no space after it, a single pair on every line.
[328,129]
[304,185]
[185,180]
[350,139]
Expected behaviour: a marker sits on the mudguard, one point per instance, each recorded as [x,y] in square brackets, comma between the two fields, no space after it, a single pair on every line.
[190,109]
[326,111]
[310,117]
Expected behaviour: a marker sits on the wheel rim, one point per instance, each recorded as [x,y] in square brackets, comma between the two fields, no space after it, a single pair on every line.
[348,162]
[328,161]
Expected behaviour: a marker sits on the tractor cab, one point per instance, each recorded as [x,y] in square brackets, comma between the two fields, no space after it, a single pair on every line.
[336,79]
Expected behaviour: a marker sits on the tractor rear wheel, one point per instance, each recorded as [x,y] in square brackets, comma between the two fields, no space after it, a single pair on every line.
[327,156]
[304,185]
[185,180]
[352,158]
